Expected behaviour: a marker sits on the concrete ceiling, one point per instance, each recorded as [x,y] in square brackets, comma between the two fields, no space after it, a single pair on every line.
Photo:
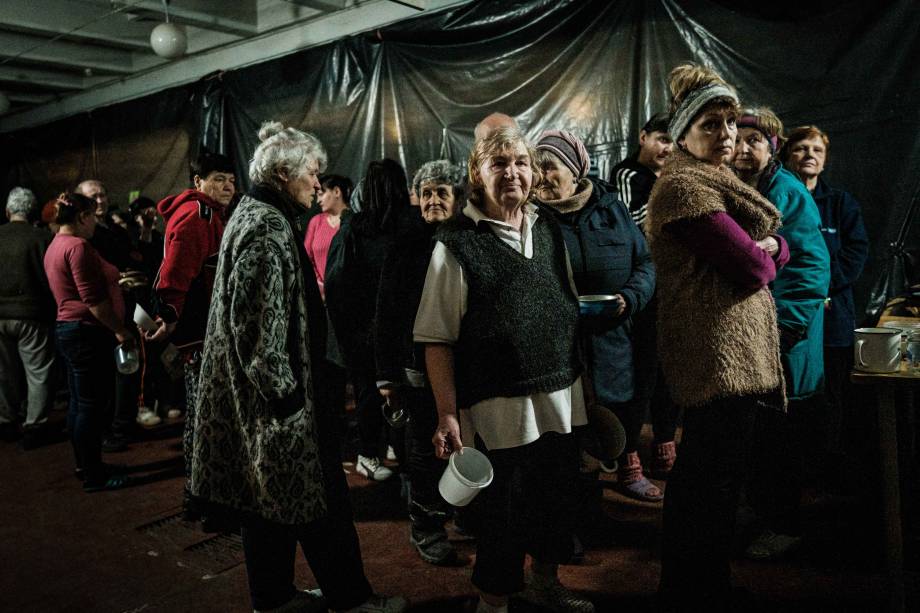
[62,57]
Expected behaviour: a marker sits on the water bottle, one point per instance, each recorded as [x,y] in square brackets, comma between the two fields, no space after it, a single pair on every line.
[127,360]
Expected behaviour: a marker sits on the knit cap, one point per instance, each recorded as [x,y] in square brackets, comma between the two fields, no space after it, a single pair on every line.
[568,148]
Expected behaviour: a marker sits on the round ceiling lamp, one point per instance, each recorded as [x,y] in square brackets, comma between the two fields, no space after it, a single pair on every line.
[168,39]
[4,103]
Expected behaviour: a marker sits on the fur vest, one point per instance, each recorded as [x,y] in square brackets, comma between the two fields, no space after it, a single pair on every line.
[715,339]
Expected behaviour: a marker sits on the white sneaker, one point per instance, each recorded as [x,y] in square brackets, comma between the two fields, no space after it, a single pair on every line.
[147,418]
[551,595]
[391,453]
[381,604]
[308,601]
[372,469]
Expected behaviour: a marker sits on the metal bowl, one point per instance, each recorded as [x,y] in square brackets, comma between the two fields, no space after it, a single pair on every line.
[595,305]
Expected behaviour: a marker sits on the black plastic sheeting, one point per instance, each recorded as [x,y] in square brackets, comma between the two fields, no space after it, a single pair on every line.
[414,92]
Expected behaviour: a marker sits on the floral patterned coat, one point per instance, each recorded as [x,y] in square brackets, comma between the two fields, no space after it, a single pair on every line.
[255,447]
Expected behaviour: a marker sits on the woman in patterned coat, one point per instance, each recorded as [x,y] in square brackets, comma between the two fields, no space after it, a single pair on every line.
[265,445]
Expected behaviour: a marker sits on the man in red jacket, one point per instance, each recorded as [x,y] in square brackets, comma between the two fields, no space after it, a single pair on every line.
[194,226]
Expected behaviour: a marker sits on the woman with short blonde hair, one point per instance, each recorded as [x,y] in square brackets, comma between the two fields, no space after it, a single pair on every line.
[499,318]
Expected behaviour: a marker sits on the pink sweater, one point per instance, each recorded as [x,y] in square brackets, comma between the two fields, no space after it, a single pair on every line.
[79,279]
[319,237]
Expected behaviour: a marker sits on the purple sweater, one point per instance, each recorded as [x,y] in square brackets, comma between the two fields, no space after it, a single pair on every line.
[722,243]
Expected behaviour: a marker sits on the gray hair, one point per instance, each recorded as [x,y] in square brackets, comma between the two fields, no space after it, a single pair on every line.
[439,171]
[287,150]
[21,201]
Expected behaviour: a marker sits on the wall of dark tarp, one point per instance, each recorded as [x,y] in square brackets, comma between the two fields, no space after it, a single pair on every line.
[414,91]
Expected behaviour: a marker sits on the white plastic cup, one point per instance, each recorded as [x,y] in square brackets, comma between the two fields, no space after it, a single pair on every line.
[466,474]
[142,319]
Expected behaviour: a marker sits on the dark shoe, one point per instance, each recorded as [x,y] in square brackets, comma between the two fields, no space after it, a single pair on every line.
[109,469]
[771,545]
[433,546]
[113,482]
[578,552]
[9,432]
[190,509]
[220,524]
[553,596]
[114,444]
[308,601]
[33,438]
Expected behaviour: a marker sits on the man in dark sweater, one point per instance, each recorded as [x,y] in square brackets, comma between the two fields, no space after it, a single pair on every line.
[635,176]
[26,313]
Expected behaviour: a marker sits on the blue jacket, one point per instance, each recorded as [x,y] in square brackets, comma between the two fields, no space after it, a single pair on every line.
[845,236]
[609,255]
[801,286]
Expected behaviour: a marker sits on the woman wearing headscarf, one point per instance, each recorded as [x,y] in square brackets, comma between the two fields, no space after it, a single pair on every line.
[799,290]
[499,318]
[715,247]
[609,255]
[265,447]
[805,154]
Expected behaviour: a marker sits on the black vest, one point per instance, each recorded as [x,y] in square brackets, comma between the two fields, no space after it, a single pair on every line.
[518,336]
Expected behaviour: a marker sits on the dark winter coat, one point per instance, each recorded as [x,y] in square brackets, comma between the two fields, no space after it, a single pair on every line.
[353,269]
[609,255]
[845,236]
[401,283]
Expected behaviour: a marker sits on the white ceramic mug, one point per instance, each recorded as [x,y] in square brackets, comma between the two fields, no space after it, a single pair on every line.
[877,349]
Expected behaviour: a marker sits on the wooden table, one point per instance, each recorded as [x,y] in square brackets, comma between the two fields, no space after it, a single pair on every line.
[888,385]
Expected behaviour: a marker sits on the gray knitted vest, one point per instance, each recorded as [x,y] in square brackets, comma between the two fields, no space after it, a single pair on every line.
[518,336]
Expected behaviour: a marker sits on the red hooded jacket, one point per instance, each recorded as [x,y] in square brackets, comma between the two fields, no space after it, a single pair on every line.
[194,227]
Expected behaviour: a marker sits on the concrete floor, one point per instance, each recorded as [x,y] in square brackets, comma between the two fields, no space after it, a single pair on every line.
[124,551]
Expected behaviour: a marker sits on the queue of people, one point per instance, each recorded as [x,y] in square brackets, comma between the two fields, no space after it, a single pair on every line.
[724,260]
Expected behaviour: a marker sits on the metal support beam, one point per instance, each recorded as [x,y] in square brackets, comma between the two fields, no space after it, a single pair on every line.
[47,78]
[64,54]
[59,17]
[237,17]
[359,18]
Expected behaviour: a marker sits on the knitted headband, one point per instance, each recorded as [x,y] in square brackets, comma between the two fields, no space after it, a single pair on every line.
[567,148]
[694,103]
[752,121]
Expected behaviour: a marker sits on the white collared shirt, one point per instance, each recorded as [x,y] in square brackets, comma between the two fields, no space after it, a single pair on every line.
[501,422]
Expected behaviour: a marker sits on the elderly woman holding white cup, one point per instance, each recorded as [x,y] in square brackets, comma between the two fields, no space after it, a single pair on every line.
[499,316]
[265,446]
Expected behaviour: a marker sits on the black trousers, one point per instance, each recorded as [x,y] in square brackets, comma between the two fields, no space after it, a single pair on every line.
[528,508]
[370,419]
[330,544]
[651,391]
[428,511]
[774,488]
[841,418]
[700,505]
